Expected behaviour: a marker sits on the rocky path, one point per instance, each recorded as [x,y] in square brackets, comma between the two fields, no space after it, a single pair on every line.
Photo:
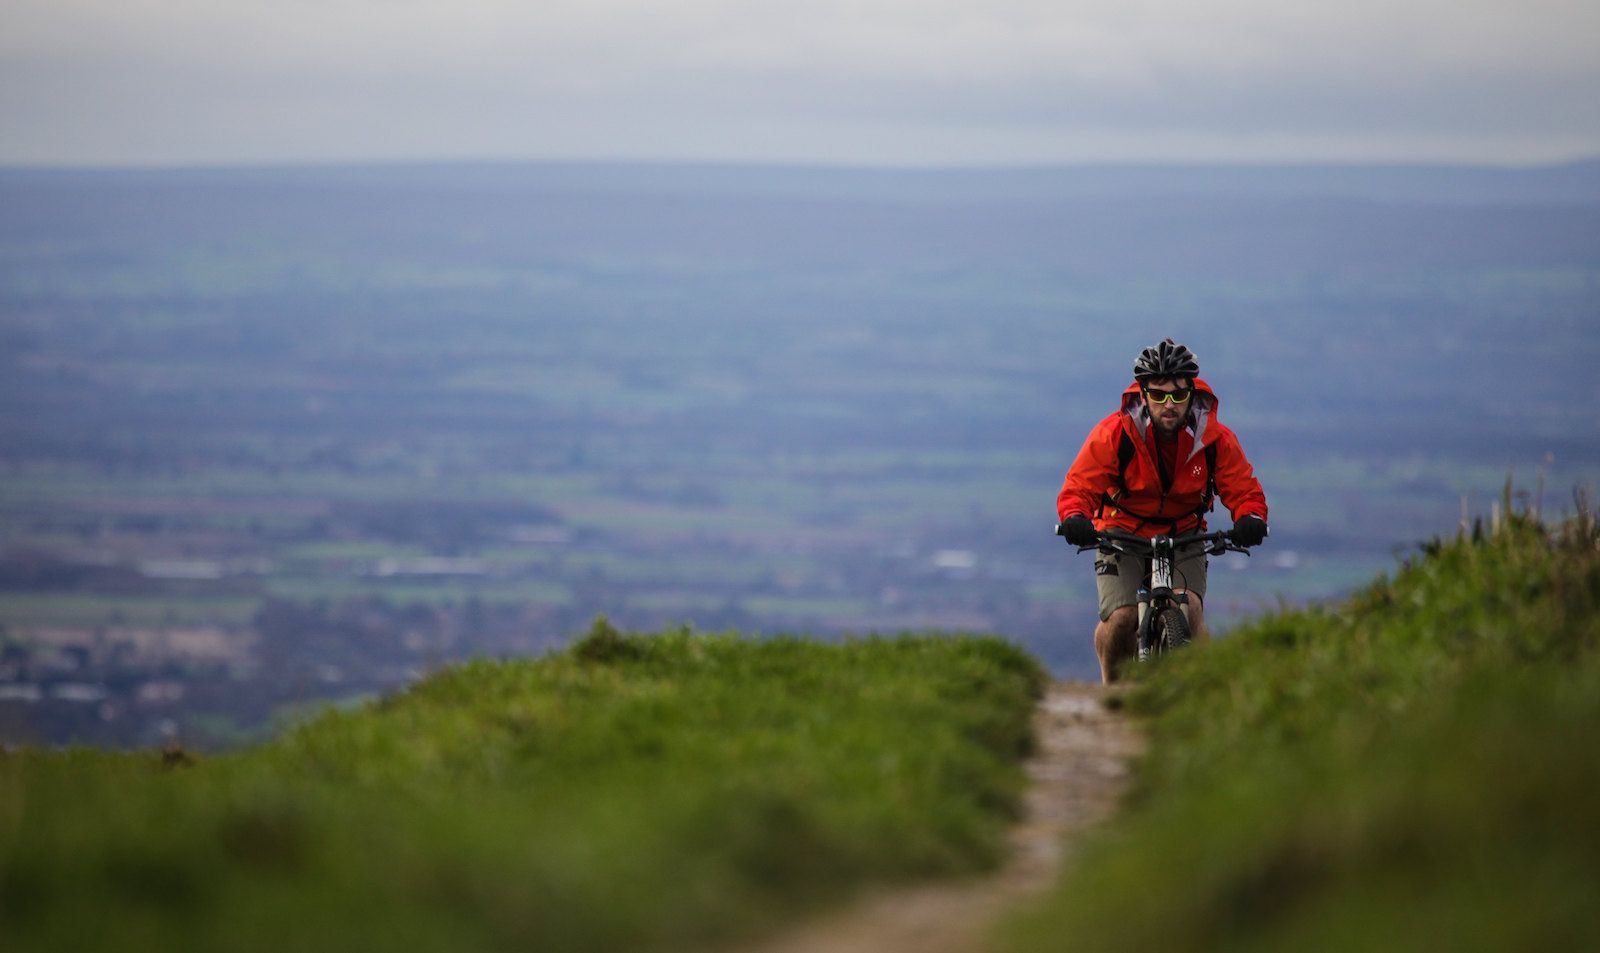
[1075,778]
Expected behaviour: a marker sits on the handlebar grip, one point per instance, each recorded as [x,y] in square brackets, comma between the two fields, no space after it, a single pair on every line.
[1123,534]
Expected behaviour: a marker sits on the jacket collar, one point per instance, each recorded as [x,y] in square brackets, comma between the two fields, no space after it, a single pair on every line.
[1202,410]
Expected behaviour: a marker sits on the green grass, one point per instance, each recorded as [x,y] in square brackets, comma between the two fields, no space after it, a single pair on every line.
[1414,769]
[634,792]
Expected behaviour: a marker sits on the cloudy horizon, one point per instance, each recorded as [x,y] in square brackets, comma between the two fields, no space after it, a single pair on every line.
[871,82]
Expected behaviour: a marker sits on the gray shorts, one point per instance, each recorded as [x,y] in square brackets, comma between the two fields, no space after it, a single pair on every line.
[1117,577]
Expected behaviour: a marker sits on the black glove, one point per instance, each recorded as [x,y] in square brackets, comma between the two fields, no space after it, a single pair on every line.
[1079,531]
[1249,531]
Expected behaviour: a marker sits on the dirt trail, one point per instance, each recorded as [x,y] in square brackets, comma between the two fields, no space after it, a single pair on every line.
[1075,778]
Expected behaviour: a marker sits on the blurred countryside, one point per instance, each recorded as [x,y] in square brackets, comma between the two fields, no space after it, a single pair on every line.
[276,435]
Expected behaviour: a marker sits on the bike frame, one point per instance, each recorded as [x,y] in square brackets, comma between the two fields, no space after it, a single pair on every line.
[1161,554]
[1158,594]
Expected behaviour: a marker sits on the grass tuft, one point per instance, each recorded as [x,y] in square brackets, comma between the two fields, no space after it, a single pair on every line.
[603,643]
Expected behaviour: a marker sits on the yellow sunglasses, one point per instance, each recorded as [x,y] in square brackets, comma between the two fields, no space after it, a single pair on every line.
[1169,396]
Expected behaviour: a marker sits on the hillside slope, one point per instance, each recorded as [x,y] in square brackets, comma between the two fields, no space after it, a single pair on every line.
[633,793]
[1411,770]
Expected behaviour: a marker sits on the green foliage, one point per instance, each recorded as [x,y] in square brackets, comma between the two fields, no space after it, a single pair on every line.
[634,792]
[603,643]
[1410,770]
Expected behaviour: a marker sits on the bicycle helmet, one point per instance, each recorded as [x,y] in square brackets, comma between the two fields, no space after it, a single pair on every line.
[1167,359]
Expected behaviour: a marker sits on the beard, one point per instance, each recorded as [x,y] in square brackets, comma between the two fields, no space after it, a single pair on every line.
[1168,428]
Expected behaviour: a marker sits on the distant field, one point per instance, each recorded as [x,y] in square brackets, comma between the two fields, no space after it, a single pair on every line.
[77,609]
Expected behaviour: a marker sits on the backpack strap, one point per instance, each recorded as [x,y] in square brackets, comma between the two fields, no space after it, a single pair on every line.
[1125,452]
[1211,478]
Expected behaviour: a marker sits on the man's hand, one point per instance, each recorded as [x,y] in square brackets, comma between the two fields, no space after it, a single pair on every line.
[1249,531]
[1079,531]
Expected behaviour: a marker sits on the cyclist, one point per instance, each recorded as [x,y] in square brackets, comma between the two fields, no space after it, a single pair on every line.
[1152,468]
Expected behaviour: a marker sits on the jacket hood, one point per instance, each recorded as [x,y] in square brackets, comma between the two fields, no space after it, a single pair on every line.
[1202,410]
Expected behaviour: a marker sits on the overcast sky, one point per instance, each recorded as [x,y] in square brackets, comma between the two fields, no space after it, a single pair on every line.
[922,82]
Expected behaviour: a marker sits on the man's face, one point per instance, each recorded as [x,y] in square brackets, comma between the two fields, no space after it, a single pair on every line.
[1168,414]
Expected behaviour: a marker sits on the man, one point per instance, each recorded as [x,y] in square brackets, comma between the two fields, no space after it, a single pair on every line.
[1148,469]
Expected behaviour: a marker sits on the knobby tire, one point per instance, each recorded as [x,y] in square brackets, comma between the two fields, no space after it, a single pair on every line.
[1174,629]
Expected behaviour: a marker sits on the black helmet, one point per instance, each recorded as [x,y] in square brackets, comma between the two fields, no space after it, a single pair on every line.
[1167,359]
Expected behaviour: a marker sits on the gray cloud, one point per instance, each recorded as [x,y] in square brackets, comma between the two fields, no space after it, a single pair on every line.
[860,81]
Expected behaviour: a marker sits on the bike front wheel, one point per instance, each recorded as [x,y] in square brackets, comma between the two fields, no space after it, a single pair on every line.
[1174,629]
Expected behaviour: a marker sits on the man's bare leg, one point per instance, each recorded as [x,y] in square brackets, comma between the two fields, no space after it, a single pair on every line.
[1196,611]
[1116,640]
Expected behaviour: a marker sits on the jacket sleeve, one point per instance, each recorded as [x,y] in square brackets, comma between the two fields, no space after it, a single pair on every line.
[1092,474]
[1237,485]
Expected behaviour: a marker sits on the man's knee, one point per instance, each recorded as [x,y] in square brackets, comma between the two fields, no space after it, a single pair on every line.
[1195,609]
[1123,617]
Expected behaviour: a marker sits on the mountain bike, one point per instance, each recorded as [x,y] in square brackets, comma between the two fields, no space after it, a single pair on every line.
[1163,625]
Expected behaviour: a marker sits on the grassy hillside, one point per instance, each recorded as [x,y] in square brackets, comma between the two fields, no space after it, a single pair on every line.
[1415,769]
[635,792]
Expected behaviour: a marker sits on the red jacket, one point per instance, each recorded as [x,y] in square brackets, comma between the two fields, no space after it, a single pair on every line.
[1094,473]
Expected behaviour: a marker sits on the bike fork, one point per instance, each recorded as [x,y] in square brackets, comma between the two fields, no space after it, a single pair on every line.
[1145,618]
[1153,600]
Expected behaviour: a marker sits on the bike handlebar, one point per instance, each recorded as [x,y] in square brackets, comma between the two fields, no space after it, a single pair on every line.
[1132,544]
